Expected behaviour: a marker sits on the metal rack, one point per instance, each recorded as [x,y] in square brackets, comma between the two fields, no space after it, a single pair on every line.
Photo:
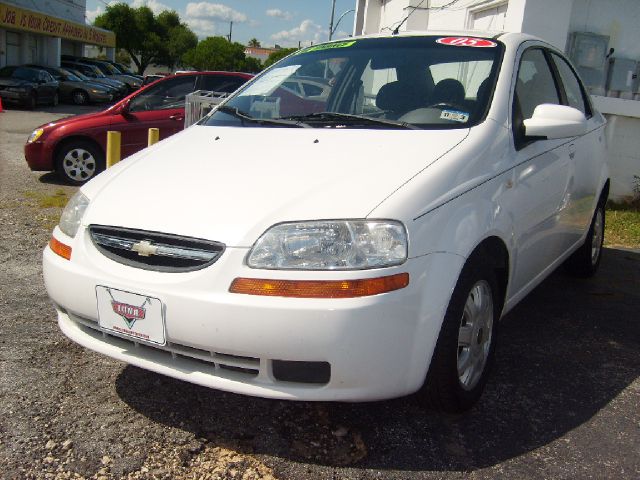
[199,103]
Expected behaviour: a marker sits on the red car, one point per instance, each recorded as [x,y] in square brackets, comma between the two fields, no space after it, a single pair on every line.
[75,146]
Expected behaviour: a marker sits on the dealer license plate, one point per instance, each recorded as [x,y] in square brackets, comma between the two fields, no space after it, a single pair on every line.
[138,317]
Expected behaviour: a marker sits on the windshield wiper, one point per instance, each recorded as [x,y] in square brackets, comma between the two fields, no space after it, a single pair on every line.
[261,121]
[337,118]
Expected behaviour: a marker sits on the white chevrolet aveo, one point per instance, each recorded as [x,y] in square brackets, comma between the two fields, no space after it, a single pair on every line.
[355,244]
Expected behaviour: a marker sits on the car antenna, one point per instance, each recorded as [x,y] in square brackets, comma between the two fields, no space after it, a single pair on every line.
[396,30]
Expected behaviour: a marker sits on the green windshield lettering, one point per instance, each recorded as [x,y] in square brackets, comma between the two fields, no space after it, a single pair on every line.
[327,46]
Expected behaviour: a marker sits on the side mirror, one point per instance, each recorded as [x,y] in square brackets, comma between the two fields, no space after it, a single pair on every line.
[555,121]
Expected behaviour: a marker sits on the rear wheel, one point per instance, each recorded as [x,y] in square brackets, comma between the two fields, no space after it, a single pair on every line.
[585,261]
[465,348]
[79,161]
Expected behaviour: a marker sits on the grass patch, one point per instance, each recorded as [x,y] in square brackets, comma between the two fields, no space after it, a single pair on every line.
[58,199]
[623,225]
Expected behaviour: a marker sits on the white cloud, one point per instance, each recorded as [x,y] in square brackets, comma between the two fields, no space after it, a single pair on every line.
[155,6]
[92,14]
[306,32]
[277,13]
[202,28]
[213,12]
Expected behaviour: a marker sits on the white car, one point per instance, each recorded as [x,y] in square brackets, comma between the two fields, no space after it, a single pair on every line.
[360,252]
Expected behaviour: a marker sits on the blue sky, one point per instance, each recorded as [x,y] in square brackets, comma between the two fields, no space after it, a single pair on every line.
[282,22]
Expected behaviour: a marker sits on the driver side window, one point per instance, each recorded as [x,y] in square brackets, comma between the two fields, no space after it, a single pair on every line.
[535,85]
[167,94]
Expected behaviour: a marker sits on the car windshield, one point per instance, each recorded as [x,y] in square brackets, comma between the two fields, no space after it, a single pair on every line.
[78,74]
[69,76]
[111,69]
[427,82]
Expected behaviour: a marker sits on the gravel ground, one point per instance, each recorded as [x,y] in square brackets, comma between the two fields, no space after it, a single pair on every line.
[563,400]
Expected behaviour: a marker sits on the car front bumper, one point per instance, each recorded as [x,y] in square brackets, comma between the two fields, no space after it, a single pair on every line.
[377,347]
[14,97]
[39,156]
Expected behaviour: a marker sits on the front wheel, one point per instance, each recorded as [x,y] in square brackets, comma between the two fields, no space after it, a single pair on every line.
[79,161]
[585,261]
[466,345]
[80,97]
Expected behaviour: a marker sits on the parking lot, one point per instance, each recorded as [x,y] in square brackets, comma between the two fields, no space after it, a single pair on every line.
[562,402]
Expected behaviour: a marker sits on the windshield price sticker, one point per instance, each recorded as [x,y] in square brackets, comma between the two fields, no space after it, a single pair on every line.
[327,46]
[467,42]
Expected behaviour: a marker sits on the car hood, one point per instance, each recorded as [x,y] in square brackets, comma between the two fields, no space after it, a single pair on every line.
[231,184]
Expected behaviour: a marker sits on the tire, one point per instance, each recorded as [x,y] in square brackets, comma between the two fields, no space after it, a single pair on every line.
[465,348]
[32,101]
[55,100]
[78,161]
[79,97]
[585,261]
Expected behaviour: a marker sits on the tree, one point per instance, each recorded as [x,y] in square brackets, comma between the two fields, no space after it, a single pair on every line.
[254,42]
[145,37]
[279,55]
[217,53]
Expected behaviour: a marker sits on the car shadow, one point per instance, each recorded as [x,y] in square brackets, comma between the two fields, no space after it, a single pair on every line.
[565,352]
[52,178]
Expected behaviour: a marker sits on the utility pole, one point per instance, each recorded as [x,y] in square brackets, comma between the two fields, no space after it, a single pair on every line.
[230,31]
[333,12]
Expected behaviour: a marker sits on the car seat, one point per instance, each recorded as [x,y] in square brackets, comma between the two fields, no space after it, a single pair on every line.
[449,91]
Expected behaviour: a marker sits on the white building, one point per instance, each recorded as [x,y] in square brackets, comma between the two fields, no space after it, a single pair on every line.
[586,30]
[40,31]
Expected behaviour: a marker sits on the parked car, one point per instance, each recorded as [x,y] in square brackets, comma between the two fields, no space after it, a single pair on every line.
[27,86]
[152,78]
[111,89]
[96,75]
[338,255]
[108,71]
[75,146]
[75,90]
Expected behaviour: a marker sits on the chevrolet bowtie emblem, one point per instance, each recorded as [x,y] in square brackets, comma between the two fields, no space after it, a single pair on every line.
[144,248]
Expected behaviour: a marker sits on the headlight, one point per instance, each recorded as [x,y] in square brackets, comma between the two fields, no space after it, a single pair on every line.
[35,135]
[95,90]
[72,214]
[331,245]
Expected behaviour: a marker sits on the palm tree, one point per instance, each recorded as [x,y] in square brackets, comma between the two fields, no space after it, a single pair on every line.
[254,42]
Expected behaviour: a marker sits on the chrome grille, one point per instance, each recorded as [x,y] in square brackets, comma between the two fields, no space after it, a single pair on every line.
[154,250]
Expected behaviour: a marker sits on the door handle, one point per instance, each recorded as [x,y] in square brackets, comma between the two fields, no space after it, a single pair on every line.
[177,117]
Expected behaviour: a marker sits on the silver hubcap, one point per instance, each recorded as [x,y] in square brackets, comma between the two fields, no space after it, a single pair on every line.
[79,164]
[475,335]
[598,236]
[78,98]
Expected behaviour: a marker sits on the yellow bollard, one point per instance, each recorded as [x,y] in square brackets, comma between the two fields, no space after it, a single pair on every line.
[113,148]
[154,136]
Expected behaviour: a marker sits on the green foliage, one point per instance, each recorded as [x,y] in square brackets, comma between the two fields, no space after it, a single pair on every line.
[123,57]
[253,43]
[217,53]
[279,55]
[145,37]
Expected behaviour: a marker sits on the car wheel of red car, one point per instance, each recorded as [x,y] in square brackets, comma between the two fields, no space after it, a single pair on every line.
[79,161]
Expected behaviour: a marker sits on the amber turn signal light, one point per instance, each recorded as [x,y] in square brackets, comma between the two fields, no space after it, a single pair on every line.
[60,248]
[320,288]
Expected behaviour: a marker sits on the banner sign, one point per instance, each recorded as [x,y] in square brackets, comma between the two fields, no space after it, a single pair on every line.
[26,20]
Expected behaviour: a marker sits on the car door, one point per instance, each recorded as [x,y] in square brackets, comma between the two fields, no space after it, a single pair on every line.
[585,153]
[159,106]
[542,174]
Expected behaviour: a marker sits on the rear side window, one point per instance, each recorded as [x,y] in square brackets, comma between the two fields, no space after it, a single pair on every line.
[571,84]
[220,83]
